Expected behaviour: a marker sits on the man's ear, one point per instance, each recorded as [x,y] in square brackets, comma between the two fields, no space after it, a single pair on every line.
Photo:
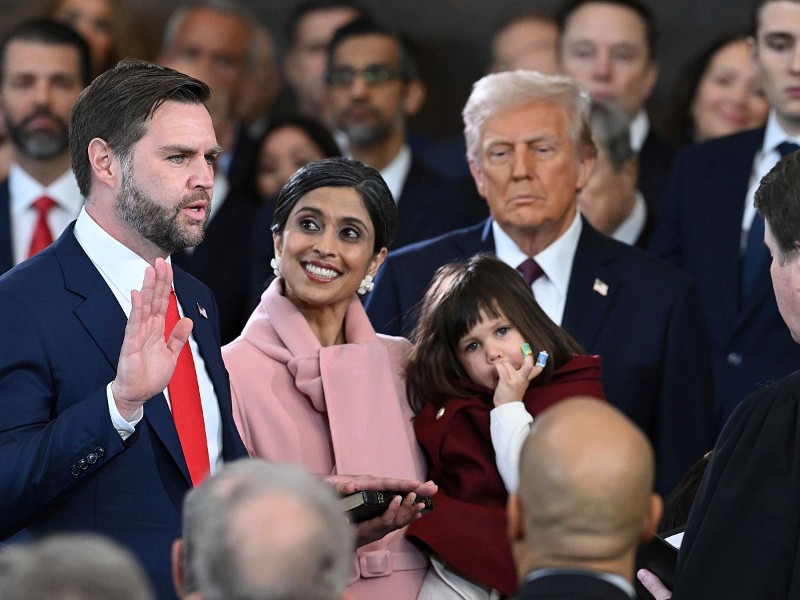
[516,530]
[477,176]
[652,518]
[585,167]
[416,92]
[104,163]
[177,568]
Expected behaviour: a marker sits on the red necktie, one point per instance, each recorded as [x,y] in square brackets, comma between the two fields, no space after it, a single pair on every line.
[531,271]
[42,237]
[187,411]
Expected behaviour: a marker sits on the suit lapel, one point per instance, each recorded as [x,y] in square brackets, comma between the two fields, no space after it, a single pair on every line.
[592,288]
[6,251]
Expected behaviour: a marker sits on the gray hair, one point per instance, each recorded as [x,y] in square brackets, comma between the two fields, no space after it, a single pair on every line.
[611,131]
[314,564]
[513,89]
[69,566]
[226,7]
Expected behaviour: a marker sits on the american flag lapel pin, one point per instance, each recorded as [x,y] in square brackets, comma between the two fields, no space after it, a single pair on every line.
[202,311]
[601,287]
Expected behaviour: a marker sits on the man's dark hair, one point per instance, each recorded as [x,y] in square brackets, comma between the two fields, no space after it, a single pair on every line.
[50,33]
[409,68]
[313,6]
[343,173]
[755,14]
[651,35]
[778,201]
[118,104]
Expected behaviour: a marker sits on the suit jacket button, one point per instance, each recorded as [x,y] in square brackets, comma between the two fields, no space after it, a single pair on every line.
[83,464]
[99,451]
[734,359]
[92,458]
[75,470]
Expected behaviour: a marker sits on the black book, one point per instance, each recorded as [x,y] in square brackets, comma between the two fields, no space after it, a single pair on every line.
[368,504]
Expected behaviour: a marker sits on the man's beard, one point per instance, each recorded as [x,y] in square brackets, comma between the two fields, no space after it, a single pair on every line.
[159,224]
[39,144]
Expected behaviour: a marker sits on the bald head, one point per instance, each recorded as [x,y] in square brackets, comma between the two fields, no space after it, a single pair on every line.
[585,495]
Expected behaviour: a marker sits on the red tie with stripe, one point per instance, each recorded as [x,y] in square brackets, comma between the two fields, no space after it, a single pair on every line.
[187,411]
[42,237]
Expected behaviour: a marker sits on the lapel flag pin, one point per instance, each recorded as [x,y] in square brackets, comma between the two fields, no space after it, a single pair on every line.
[601,287]
[202,311]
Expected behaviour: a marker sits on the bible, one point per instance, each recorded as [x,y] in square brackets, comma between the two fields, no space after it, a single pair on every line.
[368,504]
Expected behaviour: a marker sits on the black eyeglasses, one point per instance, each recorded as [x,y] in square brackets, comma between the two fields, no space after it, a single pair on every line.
[374,74]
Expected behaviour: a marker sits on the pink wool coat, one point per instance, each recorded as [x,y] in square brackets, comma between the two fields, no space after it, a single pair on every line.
[335,410]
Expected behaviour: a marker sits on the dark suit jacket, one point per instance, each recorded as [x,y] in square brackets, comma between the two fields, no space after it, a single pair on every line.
[655,163]
[648,329]
[64,466]
[6,250]
[430,205]
[223,261]
[699,232]
[570,587]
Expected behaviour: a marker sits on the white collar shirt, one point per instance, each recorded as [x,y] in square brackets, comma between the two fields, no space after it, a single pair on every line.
[550,290]
[640,127]
[24,190]
[631,228]
[123,271]
[396,172]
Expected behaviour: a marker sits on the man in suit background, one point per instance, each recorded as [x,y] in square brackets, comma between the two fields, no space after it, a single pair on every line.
[530,151]
[585,503]
[43,67]
[95,432]
[260,530]
[709,225]
[610,200]
[373,87]
[609,46]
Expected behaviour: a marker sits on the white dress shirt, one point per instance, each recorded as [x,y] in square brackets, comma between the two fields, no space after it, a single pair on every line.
[550,290]
[631,228]
[766,158]
[24,190]
[123,271]
[396,172]
[639,128]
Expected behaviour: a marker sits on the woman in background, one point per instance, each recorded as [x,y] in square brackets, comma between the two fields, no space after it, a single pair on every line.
[720,94]
[106,26]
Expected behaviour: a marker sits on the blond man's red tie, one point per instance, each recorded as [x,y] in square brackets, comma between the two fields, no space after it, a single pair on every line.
[187,411]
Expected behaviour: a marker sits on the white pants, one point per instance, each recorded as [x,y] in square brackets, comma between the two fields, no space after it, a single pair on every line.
[441,583]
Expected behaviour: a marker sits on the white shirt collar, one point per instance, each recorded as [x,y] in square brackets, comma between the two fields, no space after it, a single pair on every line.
[774,134]
[631,228]
[640,127]
[120,266]
[396,172]
[24,189]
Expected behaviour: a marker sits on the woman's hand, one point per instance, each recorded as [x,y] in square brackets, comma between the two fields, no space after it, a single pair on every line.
[513,382]
[402,511]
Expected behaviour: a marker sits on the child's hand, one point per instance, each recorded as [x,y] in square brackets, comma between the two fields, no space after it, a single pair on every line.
[513,382]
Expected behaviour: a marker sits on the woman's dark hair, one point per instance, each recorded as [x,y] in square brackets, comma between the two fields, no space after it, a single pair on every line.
[346,173]
[680,126]
[452,305]
[679,504]
[316,132]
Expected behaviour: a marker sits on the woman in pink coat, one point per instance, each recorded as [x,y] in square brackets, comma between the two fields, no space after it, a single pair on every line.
[312,382]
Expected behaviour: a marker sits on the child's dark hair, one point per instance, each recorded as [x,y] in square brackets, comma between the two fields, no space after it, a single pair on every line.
[452,305]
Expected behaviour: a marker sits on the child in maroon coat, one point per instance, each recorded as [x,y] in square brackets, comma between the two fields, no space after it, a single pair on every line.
[474,381]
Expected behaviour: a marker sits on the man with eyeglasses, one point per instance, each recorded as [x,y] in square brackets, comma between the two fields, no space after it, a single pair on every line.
[372,88]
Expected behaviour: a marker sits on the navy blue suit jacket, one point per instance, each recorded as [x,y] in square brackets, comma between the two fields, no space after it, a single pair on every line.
[648,329]
[223,261]
[64,466]
[699,231]
[570,587]
[6,250]
[430,205]
[655,163]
